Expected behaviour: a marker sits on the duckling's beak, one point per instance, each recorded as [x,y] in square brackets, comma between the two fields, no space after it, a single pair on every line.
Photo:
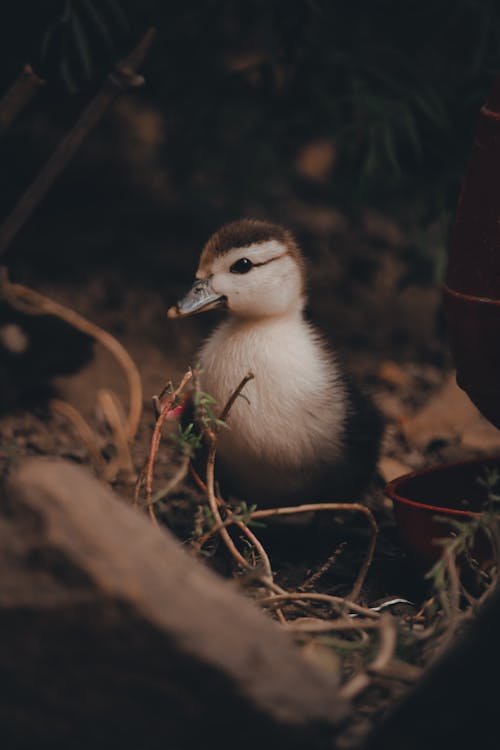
[200,297]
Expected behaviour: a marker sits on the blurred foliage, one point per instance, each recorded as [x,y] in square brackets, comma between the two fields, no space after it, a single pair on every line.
[245,86]
[80,39]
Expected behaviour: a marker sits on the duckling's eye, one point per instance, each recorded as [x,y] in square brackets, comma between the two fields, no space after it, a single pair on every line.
[243,265]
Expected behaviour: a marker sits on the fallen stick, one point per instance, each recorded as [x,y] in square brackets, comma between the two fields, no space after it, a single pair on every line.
[33,303]
[155,443]
[336,601]
[354,507]
[22,91]
[122,78]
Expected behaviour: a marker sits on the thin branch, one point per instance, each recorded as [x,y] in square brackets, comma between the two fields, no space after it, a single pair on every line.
[258,546]
[17,98]
[355,686]
[34,303]
[326,626]
[214,503]
[155,441]
[138,486]
[388,641]
[173,481]
[320,572]
[213,500]
[225,412]
[84,431]
[111,412]
[354,507]
[122,78]
[339,603]
[199,543]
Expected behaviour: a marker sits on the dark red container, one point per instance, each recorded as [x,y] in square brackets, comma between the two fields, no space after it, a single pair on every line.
[472,288]
[425,501]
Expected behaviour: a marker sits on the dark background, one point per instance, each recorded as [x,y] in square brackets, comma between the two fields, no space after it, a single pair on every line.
[350,123]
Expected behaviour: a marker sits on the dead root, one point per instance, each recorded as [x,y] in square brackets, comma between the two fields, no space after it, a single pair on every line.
[121,427]
[146,475]
[341,622]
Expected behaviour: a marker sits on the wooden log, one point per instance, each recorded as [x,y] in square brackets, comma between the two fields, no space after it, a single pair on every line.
[112,635]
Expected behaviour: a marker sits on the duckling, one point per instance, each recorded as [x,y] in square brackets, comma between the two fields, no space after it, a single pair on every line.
[303,432]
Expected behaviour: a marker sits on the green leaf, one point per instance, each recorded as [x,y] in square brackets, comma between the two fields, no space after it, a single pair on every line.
[99,24]
[67,12]
[68,77]
[118,13]
[411,130]
[370,163]
[430,106]
[46,39]
[390,149]
[82,44]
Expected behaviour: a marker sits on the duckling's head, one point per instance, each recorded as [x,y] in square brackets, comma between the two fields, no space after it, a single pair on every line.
[254,269]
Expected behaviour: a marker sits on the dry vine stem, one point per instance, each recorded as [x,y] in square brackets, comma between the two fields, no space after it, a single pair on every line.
[221,524]
[34,303]
[214,503]
[336,601]
[112,413]
[155,444]
[229,521]
[354,507]
[388,641]
[122,78]
[84,431]
[213,500]
[19,96]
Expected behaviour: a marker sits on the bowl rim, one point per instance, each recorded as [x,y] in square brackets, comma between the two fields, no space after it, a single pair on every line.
[391,488]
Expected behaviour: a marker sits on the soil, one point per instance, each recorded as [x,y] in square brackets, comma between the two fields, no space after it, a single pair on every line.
[122,260]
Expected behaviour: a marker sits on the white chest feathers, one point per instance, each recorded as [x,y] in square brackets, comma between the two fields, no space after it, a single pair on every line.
[288,425]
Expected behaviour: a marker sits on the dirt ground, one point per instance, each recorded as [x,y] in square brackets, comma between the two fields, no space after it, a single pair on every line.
[121,259]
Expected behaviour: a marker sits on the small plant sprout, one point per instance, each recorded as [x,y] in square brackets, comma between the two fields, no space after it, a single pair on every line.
[204,404]
[187,440]
[466,534]
[243,513]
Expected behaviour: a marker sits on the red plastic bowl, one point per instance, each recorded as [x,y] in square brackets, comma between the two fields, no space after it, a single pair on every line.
[424,500]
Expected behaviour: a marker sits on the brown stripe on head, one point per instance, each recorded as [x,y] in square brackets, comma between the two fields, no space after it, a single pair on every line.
[248,232]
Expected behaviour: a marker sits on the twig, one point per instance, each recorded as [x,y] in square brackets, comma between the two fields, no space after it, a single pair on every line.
[314,625]
[173,482]
[258,546]
[225,412]
[336,601]
[199,543]
[155,441]
[388,640]
[362,680]
[138,486]
[19,96]
[213,500]
[83,430]
[229,521]
[401,670]
[34,303]
[320,572]
[122,78]
[111,412]
[355,686]
[354,507]
[199,481]
[450,600]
